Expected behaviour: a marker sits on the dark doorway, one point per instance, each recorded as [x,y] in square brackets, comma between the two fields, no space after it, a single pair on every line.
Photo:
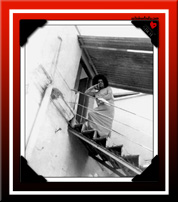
[83,100]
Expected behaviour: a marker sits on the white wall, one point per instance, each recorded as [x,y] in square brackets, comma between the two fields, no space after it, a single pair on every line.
[56,50]
[134,123]
[53,54]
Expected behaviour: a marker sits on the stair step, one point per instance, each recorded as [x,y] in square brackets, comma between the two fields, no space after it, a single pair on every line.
[88,133]
[78,127]
[116,149]
[92,150]
[133,159]
[106,158]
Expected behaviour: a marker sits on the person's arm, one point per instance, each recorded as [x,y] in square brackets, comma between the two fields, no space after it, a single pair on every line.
[92,90]
[108,96]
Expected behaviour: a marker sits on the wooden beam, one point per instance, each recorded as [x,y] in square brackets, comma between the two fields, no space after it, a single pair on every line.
[39,120]
[87,54]
[132,88]
[85,47]
[101,48]
[117,42]
[91,70]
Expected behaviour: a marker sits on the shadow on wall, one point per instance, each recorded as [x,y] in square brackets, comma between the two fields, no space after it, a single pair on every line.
[78,156]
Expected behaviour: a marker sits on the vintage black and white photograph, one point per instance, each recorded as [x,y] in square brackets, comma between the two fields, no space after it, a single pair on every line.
[89,100]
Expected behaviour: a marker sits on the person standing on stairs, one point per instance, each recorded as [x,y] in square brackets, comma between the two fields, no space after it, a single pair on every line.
[101,118]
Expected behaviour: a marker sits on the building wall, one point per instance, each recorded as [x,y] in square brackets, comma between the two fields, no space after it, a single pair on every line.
[52,54]
[52,60]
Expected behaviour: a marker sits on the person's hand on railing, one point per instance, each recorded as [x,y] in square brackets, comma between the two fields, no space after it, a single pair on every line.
[103,100]
[100,99]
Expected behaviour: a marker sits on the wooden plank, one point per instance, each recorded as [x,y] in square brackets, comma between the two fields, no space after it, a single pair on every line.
[115,42]
[134,159]
[39,120]
[114,49]
[133,71]
[89,59]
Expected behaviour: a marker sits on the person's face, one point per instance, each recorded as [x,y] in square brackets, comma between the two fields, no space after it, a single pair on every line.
[101,83]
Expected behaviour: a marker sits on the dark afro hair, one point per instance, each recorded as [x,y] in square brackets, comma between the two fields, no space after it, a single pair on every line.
[100,76]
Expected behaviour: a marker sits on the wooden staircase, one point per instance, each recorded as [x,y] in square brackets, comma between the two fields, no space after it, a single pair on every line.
[110,157]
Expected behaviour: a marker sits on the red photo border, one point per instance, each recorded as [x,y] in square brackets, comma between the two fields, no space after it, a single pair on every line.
[94,186]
